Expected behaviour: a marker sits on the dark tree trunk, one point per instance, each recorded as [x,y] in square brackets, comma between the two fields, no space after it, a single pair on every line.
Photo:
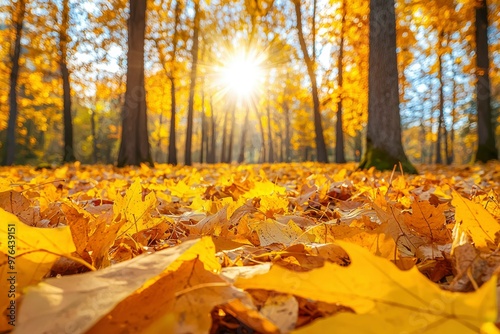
[10,144]
[358,146]
[263,156]
[134,146]
[68,154]
[486,149]
[439,158]
[192,86]
[203,141]
[384,148]
[231,134]
[241,156]
[223,157]
[204,147]
[159,153]
[451,153]
[270,143]
[288,147]
[172,145]
[339,131]
[213,142]
[94,134]
[322,155]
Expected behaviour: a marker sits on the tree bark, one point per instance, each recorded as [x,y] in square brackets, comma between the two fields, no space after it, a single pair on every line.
[18,20]
[231,134]
[94,134]
[213,143]
[288,136]
[486,149]
[172,145]
[384,148]
[203,141]
[241,156]
[451,153]
[192,86]
[68,153]
[270,143]
[223,157]
[439,158]
[322,155]
[262,156]
[339,131]
[134,146]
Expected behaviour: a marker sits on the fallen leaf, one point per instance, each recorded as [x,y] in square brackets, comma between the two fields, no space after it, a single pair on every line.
[35,251]
[429,221]
[477,222]
[401,296]
[270,232]
[133,210]
[76,303]
[15,203]
[282,310]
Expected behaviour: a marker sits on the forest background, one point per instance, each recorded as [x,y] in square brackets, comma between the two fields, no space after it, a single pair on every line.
[78,51]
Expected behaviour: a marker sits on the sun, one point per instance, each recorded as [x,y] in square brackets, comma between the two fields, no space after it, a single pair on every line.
[242,74]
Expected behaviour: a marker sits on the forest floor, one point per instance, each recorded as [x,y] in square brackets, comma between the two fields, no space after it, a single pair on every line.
[249,248]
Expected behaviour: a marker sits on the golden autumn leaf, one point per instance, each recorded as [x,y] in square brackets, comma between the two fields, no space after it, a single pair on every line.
[34,249]
[133,210]
[482,227]
[271,231]
[186,295]
[372,285]
[17,204]
[429,221]
[347,323]
[75,303]
[394,222]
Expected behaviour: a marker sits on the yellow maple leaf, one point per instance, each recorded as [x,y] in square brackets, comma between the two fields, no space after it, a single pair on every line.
[476,221]
[26,255]
[264,188]
[372,285]
[271,231]
[429,221]
[182,282]
[133,210]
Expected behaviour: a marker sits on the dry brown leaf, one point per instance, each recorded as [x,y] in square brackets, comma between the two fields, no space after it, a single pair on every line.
[15,203]
[429,221]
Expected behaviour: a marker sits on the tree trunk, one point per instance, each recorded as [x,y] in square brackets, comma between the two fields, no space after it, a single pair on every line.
[134,147]
[231,134]
[270,143]
[339,131]
[172,145]
[439,158]
[322,155]
[213,143]
[486,149]
[384,148]
[204,147]
[241,156]
[451,153]
[288,136]
[203,141]
[192,86]
[159,152]
[224,138]
[18,20]
[358,146]
[94,134]
[68,153]
[263,156]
